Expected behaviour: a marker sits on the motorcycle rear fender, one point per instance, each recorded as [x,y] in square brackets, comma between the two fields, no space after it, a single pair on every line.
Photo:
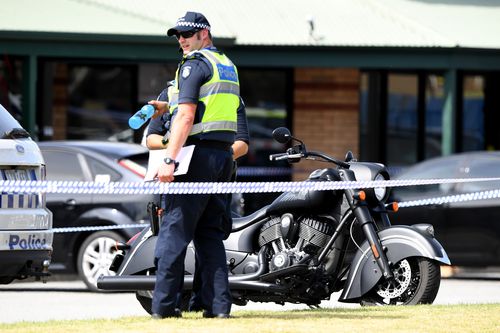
[401,242]
[140,256]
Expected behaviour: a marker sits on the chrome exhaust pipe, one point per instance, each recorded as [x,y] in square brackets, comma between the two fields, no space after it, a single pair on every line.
[147,282]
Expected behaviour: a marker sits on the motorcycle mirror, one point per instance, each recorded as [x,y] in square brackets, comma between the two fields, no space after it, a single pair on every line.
[282,135]
[349,156]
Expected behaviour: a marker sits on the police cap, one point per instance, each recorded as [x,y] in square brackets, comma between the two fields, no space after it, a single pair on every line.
[190,21]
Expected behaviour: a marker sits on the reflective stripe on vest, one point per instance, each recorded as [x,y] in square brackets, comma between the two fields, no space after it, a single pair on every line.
[173,97]
[213,126]
[219,88]
[206,90]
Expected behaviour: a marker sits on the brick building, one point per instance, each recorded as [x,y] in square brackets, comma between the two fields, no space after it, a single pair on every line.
[395,81]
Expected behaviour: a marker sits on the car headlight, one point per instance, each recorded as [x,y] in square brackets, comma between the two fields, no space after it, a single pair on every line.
[380,192]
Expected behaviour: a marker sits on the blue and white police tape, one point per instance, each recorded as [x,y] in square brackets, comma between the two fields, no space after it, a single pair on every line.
[482,195]
[98,228]
[134,188]
[264,171]
[472,196]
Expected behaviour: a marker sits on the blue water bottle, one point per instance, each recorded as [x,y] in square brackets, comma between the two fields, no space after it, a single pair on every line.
[141,116]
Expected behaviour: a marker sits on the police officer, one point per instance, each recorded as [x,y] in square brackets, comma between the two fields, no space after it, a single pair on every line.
[157,133]
[207,91]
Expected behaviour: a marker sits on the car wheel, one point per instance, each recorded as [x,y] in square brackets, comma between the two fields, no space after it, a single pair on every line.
[95,256]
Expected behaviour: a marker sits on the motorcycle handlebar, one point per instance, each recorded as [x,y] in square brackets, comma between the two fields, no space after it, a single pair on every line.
[285,156]
[278,157]
[340,163]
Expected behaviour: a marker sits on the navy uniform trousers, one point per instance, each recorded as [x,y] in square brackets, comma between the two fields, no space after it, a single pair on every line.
[195,302]
[201,218]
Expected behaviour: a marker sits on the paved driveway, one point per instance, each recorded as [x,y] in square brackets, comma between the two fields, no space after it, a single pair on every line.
[35,301]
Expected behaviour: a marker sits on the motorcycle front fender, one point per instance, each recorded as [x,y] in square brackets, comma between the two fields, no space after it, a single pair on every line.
[401,242]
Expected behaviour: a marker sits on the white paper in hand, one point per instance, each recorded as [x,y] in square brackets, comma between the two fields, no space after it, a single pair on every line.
[156,158]
[184,159]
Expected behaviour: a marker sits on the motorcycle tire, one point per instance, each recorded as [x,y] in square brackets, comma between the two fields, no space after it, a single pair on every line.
[145,301]
[96,250]
[6,279]
[145,298]
[416,281]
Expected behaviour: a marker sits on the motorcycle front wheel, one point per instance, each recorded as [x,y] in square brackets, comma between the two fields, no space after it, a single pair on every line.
[416,281]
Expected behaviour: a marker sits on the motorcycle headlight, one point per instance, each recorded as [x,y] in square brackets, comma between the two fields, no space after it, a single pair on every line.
[372,171]
[380,192]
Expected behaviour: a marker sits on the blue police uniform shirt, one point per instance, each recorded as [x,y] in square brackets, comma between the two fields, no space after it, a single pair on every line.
[242,133]
[163,95]
[157,125]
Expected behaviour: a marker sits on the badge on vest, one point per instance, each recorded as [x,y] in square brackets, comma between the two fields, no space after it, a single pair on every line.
[186,70]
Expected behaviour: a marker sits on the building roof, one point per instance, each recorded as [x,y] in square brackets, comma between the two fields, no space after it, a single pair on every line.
[377,23]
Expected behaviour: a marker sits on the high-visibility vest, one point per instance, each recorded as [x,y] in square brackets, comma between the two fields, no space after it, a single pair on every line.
[172,96]
[220,94]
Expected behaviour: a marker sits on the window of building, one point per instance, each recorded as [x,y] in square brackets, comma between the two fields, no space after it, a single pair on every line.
[266,93]
[11,85]
[364,122]
[473,126]
[101,99]
[434,103]
[153,79]
[402,119]
[82,101]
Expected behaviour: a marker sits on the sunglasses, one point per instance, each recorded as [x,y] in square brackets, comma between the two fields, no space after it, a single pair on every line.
[186,34]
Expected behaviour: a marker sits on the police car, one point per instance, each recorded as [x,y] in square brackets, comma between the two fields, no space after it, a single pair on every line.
[25,222]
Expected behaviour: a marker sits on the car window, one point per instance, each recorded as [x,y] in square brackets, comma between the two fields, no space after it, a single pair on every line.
[141,159]
[435,168]
[63,166]
[7,122]
[102,171]
[487,166]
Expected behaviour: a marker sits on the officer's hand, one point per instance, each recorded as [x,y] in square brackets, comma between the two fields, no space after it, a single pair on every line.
[160,107]
[166,173]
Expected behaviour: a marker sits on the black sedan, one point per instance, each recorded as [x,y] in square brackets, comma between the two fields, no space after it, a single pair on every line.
[469,230]
[90,253]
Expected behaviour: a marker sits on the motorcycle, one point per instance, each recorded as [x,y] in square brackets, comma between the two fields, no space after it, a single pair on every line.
[306,245]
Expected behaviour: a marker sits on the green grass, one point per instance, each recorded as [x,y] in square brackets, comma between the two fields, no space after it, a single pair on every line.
[422,318]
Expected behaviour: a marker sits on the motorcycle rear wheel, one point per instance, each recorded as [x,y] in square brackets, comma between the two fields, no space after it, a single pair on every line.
[416,281]
[145,298]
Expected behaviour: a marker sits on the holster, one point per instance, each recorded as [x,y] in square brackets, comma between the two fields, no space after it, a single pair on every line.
[154,212]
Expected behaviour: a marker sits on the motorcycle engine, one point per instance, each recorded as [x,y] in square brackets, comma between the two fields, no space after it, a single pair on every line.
[291,239]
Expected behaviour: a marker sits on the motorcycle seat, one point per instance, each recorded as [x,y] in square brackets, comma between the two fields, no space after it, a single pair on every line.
[240,223]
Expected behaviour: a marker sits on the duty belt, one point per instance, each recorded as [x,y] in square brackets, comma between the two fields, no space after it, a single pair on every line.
[226,146]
